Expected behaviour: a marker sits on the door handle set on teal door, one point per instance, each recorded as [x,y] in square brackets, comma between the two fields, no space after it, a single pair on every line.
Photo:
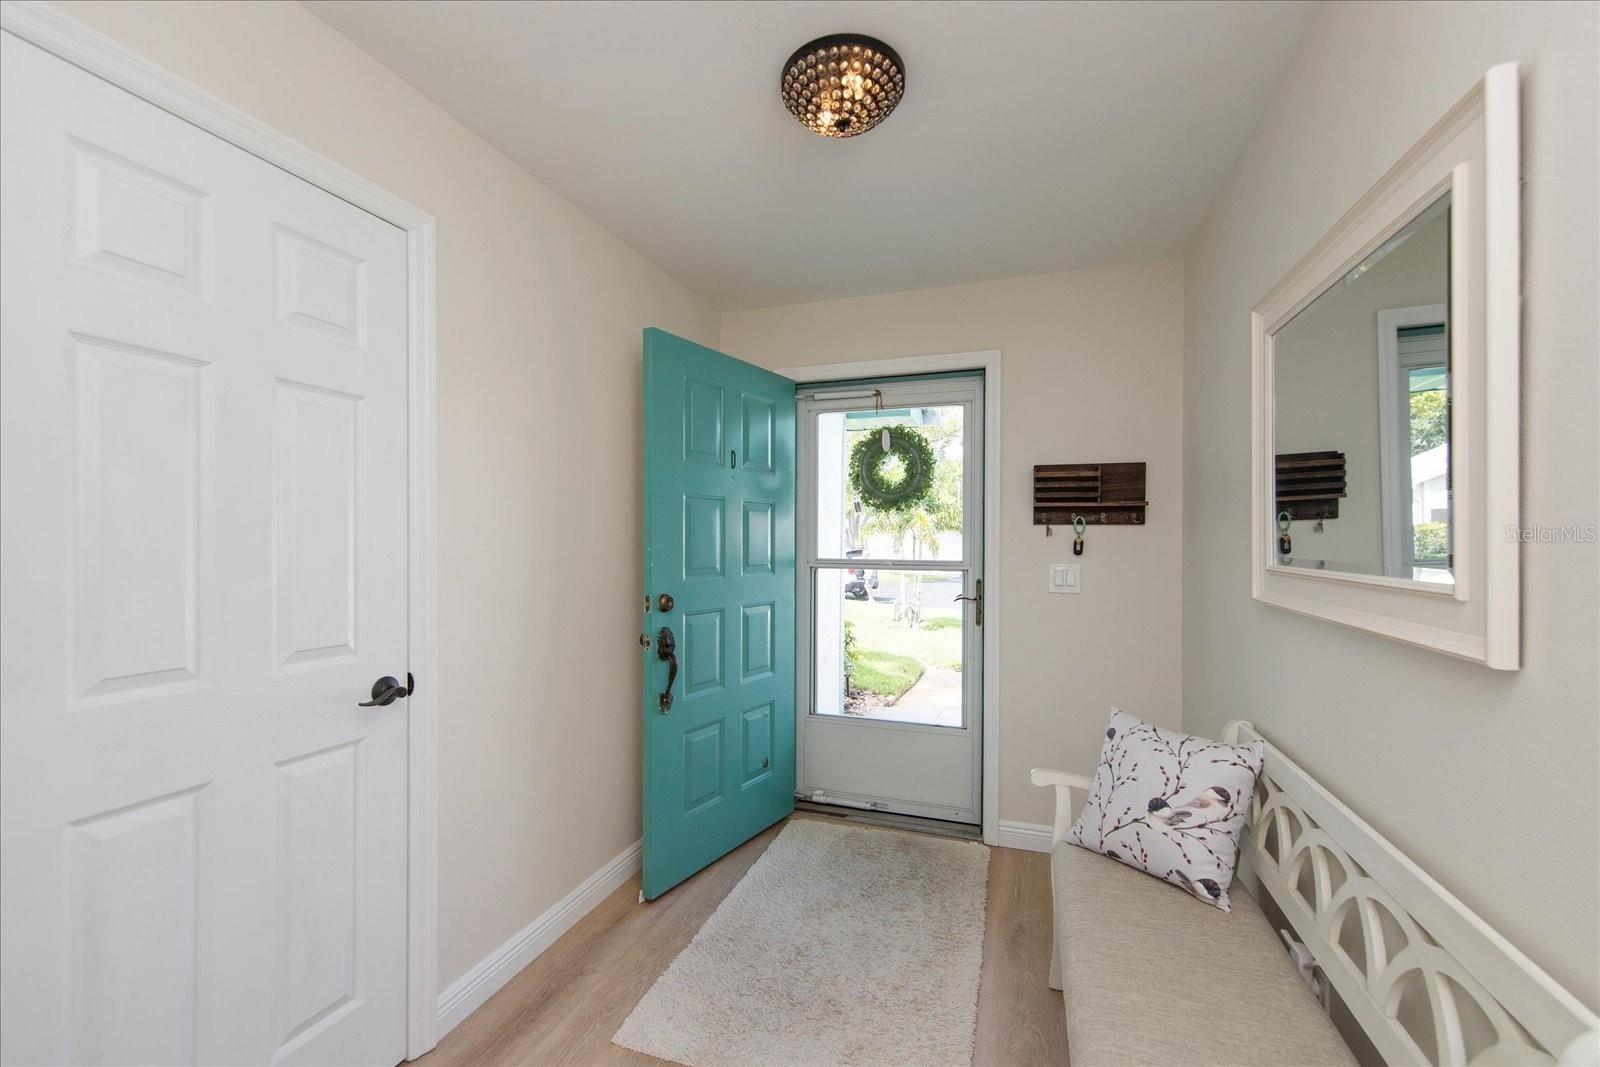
[667,650]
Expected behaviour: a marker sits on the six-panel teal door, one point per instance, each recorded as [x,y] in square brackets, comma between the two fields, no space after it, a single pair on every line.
[719,584]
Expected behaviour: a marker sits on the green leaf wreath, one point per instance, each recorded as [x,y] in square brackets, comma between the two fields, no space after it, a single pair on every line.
[867,476]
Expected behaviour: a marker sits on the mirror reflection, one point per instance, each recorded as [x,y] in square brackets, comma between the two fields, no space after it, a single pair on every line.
[1361,415]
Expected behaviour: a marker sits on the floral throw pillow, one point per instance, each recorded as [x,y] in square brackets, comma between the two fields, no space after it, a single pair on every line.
[1170,804]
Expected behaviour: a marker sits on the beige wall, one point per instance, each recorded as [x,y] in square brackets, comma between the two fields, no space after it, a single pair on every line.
[540,312]
[1487,779]
[1091,372]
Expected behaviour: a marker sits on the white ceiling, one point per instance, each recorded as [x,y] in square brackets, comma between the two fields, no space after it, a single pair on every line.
[1033,137]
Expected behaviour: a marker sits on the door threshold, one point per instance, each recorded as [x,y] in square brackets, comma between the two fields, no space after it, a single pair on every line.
[917,824]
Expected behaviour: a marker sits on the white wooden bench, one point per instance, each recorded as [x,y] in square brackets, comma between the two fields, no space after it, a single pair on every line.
[1150,977]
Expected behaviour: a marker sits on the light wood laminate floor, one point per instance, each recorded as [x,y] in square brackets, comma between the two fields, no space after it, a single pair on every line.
[564,1007]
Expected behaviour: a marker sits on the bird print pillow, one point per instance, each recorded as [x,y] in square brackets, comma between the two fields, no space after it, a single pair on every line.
[1170,804]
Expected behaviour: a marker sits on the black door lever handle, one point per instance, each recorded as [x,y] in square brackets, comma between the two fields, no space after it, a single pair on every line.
[667,649]
[386,691]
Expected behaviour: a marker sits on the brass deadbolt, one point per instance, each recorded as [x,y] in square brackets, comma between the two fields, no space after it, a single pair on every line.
[664,602]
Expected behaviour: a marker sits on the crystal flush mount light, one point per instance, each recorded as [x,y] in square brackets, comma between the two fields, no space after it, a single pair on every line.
[843,84]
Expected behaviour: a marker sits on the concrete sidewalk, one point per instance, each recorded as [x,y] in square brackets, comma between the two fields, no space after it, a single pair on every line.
[934,701]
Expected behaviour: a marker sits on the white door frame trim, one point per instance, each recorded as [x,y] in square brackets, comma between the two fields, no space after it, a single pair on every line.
[989,363]
[88,49]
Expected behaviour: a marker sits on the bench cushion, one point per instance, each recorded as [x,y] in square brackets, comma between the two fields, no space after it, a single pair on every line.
[1152,976]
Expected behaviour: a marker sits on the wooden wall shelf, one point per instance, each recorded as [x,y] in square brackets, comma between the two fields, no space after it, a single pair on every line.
[1102,494]
[1310,484]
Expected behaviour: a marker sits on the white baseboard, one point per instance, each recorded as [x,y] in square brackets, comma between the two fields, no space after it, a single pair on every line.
[467,993]
[1031,836]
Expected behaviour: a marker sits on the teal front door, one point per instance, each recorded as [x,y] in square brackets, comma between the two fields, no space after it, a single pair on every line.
[719,584]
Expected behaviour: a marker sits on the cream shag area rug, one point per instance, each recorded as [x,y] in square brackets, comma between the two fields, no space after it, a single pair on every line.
[841,945]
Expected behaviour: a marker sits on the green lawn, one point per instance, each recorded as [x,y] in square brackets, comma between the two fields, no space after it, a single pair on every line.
[884,673]
[936,643]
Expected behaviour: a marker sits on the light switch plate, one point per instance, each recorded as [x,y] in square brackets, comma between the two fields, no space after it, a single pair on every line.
[1065,578]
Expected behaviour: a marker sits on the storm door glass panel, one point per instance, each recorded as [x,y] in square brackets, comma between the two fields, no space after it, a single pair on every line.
[889,645]
[850,449]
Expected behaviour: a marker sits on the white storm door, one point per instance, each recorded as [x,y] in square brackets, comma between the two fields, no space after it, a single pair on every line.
[203,533]
[890,679]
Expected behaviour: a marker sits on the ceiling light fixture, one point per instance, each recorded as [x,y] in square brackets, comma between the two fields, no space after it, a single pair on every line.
[843,84]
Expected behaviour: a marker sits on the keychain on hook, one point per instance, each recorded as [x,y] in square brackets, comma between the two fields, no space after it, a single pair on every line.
[1078,526]
[1285,544]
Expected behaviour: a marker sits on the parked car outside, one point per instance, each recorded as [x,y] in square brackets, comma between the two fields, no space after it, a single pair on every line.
[859,583]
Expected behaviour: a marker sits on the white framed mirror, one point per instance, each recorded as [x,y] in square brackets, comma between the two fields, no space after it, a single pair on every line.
[1386,402]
